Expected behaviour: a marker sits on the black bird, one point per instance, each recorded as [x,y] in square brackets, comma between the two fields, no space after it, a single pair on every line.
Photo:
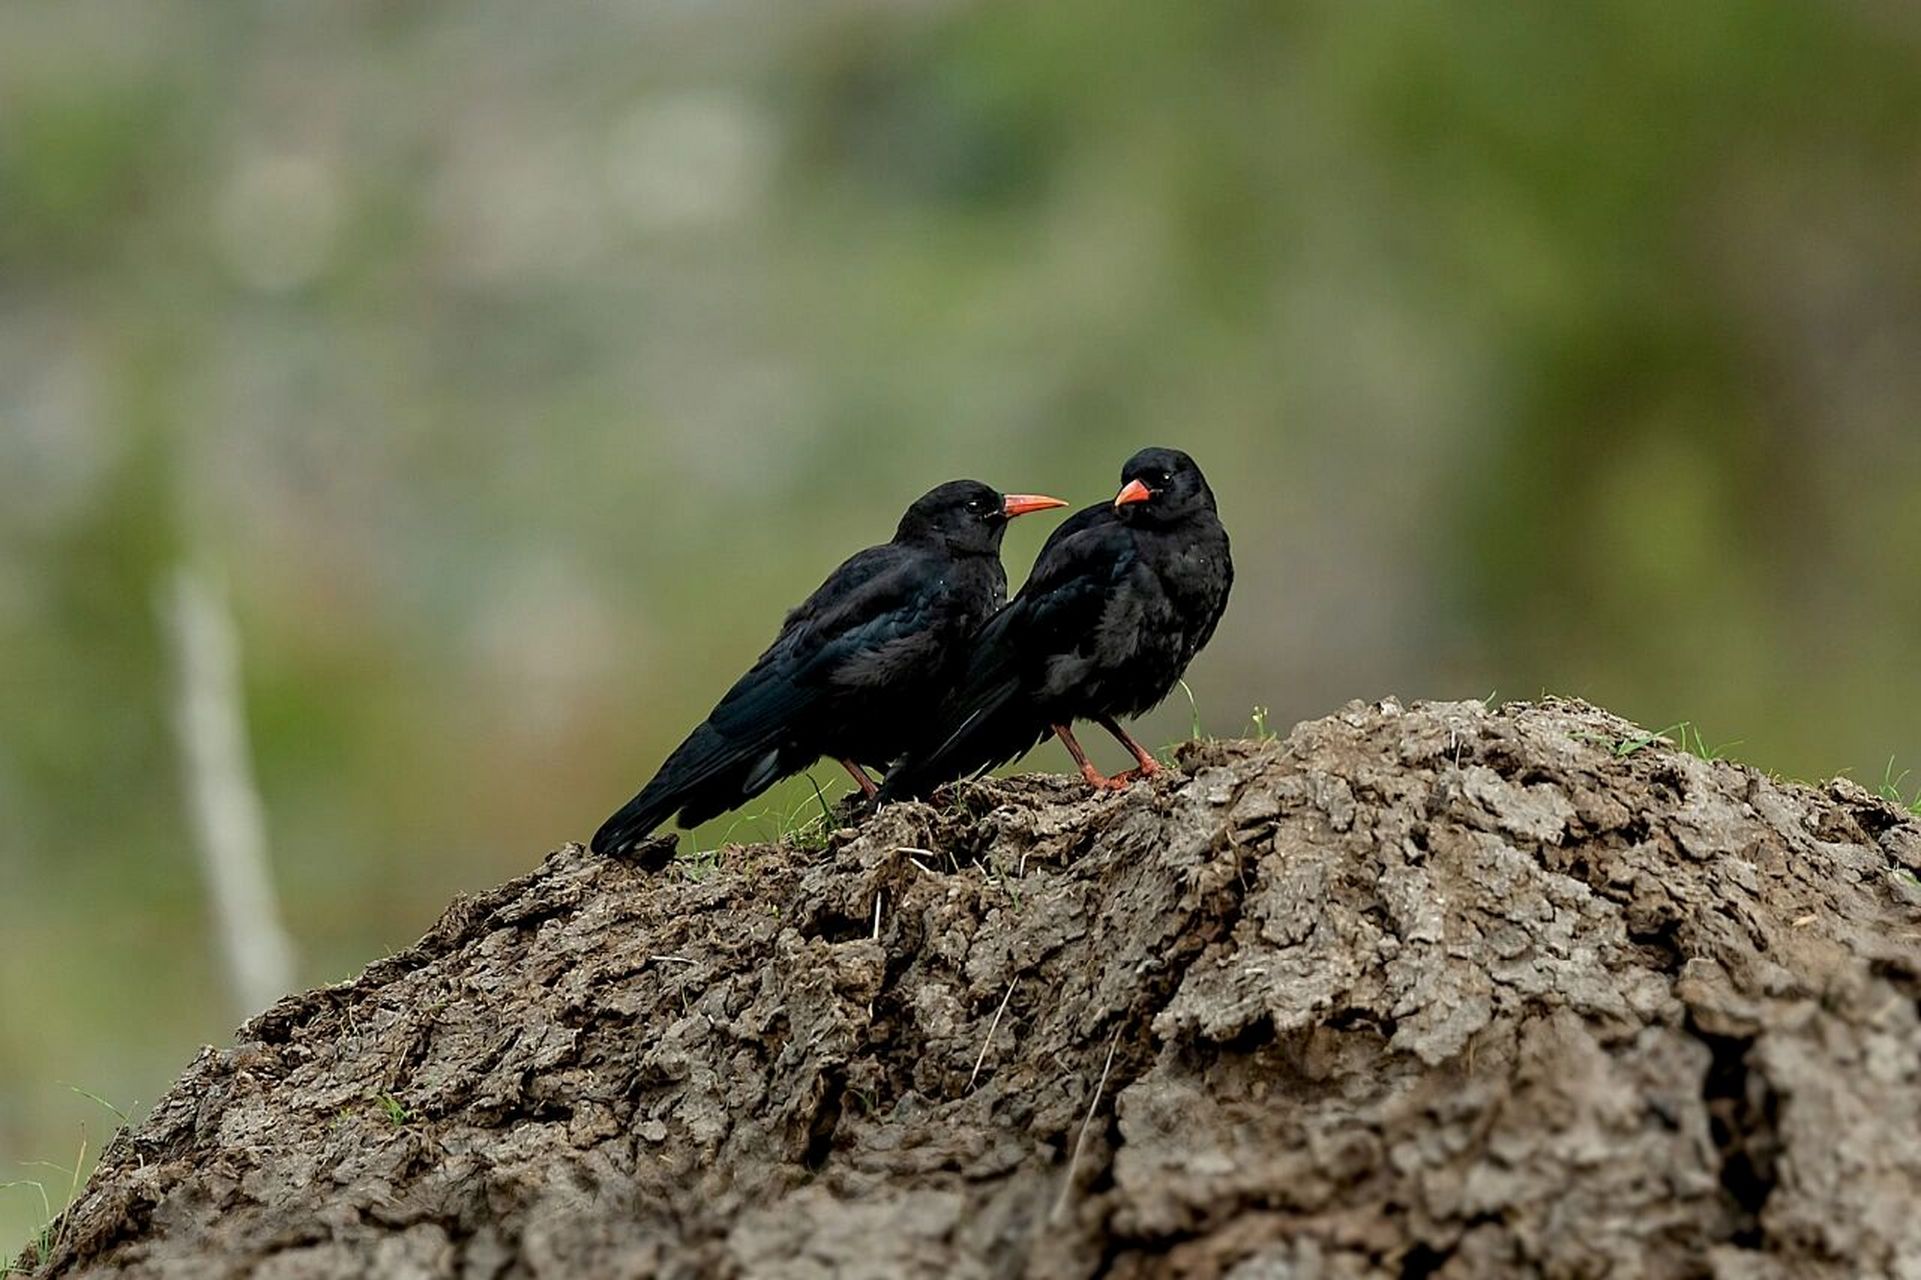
[855,670]
[1122,597]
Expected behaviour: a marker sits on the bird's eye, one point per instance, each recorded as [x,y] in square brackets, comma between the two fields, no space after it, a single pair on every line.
[977,505]
[1161,478]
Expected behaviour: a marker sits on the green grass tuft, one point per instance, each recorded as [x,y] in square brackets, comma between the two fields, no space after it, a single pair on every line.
[697,864]
[767,825]
[53,1227]
[42,1243]
[1893,788]
[1684,735]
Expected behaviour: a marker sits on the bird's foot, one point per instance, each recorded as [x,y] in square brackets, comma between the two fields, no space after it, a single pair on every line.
[1101,782]
[1122,781]
[1149,769]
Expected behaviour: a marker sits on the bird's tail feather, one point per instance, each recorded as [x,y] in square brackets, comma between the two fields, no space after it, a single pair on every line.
[990,735]
[705,776]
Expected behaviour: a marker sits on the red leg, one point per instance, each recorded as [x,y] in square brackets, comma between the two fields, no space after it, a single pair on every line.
[1088,771]
[865,783]
[1149,765]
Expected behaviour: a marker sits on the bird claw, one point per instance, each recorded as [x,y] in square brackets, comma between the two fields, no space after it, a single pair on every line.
[1119,781]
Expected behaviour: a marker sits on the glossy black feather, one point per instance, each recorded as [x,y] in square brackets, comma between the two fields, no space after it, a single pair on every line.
[855,669]
[1117,605]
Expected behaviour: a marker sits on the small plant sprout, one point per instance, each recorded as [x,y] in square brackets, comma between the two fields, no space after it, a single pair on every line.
[1263,732]
[759,817]
[42,1243]
[395,1110]
[1893,788]
[101,1102]
[1695,745]
[810,833]
[698,864]
[1636,743]
[820,797]
[768,825]
[1683,735]
[53,1229]
[1194,731]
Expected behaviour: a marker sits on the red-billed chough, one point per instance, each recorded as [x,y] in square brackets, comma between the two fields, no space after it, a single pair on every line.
[1122,597]
[856,670]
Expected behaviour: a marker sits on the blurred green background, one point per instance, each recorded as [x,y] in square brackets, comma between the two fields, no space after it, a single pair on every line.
[515,372]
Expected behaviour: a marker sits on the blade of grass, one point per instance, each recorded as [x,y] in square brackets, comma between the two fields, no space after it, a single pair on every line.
[1194,713]
[117,1113]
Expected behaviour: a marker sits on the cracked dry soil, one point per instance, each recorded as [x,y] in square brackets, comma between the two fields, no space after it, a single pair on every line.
[1431,991]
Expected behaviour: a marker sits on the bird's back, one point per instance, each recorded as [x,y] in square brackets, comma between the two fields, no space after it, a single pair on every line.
[850,665]
[1109,619]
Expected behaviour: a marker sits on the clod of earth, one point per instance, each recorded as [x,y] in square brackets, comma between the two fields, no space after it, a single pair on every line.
[1431,991]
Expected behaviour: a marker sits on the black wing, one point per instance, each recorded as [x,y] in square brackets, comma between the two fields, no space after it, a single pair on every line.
[757,733]
[999,707]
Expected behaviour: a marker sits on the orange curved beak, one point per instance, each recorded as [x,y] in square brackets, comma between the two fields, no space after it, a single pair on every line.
[1134,492]
[1019,504]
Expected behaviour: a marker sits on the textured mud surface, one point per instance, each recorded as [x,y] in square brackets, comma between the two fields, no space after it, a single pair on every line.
[1439,991]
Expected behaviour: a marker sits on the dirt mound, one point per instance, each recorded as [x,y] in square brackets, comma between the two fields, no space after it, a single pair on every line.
[1441,991]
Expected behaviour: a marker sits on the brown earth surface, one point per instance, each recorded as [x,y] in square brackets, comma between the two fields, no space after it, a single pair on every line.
[1432,991]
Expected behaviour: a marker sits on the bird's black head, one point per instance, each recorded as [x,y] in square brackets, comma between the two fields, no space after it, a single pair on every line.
[1162,487]
[966,517]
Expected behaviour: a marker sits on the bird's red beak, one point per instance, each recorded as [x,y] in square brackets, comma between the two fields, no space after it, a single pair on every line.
[1019,504]
[1134,492]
